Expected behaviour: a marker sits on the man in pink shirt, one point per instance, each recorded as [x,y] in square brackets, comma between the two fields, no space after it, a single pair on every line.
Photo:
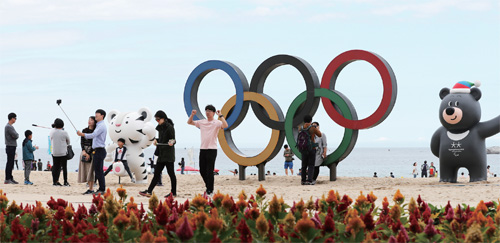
[209,129]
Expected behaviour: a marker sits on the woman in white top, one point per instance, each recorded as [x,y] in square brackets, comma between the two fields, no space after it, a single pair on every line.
[60,142]
[415,170]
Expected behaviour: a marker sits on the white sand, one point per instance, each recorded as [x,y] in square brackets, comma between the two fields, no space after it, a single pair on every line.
[430,189]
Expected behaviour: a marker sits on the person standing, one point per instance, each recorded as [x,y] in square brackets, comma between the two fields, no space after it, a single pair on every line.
[40,165]
[288,154]
[60,141]
[415,170]
[320,152]
[166,154]
[309,153]
[11,137]
[432,170]
[15,161]
[182,164]
[209,129]
[424,169]
[98,142]
[28,157]
[86,165]
[121,156]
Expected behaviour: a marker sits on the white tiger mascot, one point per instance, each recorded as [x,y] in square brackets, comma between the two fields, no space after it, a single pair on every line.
[138,133]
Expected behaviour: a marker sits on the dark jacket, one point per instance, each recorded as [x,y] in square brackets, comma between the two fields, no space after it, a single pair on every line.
[165,153]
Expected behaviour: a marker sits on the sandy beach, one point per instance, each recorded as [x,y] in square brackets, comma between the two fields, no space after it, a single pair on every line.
[430,189]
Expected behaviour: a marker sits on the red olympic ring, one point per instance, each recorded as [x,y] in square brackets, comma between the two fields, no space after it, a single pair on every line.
[388,79]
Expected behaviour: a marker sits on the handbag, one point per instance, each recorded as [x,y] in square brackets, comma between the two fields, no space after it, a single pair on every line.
[70,153]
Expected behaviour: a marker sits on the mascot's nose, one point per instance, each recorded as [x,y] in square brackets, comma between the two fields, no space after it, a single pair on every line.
[450,111]
[121,124]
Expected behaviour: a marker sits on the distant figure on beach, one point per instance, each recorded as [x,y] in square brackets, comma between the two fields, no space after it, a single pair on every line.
[28,157]
[320,152]
[15,161]
[11,137]
[40,165]
[121,156]
[432,170]
[424,169]
[49,167]
[288,154]
[209,129]
[392,175]
[307,148]
[98,137]
[375,174]
[268,173]
[274,173]
[415,170]
[60,141]
[165,146]
[182,164]
[151,165]
[86,165]
[235,171]
[490,174]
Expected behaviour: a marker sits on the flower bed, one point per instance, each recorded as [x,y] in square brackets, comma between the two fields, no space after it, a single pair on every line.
[254,218]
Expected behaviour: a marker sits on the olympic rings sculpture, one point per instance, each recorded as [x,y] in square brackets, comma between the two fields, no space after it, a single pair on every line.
[336,105]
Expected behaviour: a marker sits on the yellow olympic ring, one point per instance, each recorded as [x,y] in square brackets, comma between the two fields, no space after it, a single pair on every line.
[234,153]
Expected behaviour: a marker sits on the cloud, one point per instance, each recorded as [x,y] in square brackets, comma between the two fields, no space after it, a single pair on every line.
[328,17]
[46,11]
[38,39]
[383,139]
[425,9]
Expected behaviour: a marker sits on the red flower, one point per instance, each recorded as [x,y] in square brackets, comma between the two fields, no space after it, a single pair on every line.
[68,228]
[103,232]
[62,203]
[245,234]
[368,220]
[414,226]
[161,215]
[52,203]
[392,239]
[185,231]
[329,225]
[59,214]
[402,235]
[450,215]
[81,213]
[215,239]
[489,204]
[19,233]
[429,229]
[35,223]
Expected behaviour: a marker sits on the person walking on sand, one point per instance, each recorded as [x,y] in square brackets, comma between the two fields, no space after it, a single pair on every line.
[415,170]
[307,147]
[60,141]
[11,137]
[182,164]
[98,143]
[209,128]
[424,169]
[86,166]
[320,152]
[166,154]
[28,157]
[288,154]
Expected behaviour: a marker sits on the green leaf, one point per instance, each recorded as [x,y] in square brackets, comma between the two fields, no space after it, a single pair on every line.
[131,234]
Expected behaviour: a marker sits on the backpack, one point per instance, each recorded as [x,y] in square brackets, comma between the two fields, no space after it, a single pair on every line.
[424,167]
[304,140]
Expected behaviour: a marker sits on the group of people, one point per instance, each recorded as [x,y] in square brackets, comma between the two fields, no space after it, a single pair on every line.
[312,155]
[425,170]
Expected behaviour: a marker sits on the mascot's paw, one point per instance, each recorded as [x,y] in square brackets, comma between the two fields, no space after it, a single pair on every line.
[150,131]
[108,158]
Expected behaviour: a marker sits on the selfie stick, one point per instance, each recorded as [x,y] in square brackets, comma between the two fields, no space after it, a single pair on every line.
[59,104]
[35,125]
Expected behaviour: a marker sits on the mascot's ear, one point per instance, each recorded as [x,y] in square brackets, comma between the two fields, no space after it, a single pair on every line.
[444,92]
[112,115]
[476,93]
[145,113]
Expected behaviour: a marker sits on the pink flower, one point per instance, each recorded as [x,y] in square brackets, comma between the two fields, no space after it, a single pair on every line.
[429,229]
[185,232]
[450,214]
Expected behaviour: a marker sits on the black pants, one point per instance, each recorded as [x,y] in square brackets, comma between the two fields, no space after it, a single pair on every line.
[59,162]
[157,176]
[11,153]
[99,156]
[424,173]
[308,159]
[125,164]
[316,172]
[207,164]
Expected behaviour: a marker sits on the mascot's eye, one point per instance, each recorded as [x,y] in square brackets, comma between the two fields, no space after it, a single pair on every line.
[126,122]
[111,123]
[456,103]
[449,103]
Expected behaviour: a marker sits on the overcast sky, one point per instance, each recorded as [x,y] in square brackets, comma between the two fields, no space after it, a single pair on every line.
[126,55]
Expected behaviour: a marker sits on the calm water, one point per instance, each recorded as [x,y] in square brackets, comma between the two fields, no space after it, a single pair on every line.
[362,162]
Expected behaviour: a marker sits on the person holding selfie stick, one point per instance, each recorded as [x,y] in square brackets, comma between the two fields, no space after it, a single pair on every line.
[166,154]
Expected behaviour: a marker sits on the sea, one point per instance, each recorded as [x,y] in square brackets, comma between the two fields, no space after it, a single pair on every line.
[362,162]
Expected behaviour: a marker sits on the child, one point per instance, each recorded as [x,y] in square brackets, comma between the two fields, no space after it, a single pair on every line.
[28,156]
[121,156]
